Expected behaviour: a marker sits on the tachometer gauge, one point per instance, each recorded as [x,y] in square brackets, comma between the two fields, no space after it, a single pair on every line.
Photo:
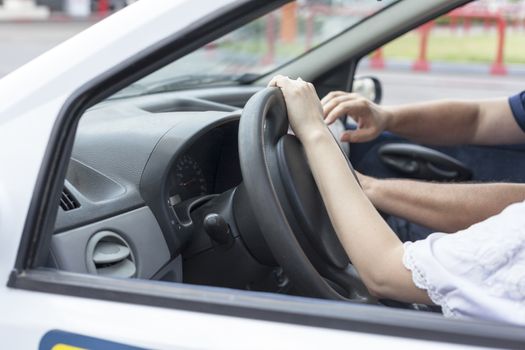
[189,178]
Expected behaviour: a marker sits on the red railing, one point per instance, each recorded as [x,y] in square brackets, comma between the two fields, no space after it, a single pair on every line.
[103,8]
[498,66]
[466,15]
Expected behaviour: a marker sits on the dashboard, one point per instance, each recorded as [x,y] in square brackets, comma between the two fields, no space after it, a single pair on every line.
[209,166]
[133,162]
[152,192]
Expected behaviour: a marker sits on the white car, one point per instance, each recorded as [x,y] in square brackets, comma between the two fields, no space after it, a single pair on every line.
[147,202]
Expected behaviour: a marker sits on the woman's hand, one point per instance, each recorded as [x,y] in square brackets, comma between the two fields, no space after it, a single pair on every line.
[305,112]
[371,118]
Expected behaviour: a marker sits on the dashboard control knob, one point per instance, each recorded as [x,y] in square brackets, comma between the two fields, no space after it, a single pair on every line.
[217,228]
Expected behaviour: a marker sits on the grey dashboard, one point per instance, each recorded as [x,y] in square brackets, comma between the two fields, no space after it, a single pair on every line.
[133,158]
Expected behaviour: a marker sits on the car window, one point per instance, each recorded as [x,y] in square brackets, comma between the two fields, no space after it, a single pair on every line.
[473,52]
[261,45]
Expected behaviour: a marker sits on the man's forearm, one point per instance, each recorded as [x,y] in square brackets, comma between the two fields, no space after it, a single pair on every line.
[487,122]
[442,207]
[437,123]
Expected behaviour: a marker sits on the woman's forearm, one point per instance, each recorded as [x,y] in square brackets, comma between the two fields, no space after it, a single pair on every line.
[442,207]
[372,246]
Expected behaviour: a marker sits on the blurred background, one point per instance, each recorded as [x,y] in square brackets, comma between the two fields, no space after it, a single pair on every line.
[476,51]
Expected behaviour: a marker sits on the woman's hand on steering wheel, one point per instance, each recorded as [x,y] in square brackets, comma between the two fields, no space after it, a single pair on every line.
[305,112]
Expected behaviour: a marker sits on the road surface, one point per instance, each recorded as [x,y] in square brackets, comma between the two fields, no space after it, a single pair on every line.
[21,42]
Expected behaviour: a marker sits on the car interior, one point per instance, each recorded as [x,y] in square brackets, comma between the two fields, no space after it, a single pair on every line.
[195,178]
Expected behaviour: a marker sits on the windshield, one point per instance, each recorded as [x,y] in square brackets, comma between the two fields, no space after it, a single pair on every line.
[259,47]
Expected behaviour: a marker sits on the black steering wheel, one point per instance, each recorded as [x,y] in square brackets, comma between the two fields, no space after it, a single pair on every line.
[288,206]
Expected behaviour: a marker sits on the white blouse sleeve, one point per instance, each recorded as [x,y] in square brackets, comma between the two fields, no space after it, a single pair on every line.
[477,273]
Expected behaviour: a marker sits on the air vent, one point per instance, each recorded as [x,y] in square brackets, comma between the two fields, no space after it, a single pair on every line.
[108,254]
[68,201]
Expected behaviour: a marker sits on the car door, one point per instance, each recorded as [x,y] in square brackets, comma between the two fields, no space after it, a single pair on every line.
[59,310]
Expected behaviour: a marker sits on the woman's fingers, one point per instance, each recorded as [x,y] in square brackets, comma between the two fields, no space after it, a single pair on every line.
[284,81]
[278,81]
[312,87]
[273,82]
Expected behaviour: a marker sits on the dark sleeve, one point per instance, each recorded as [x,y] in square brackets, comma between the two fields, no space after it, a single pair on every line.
[517,105]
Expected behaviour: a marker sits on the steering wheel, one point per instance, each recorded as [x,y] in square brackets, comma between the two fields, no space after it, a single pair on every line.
[287,204]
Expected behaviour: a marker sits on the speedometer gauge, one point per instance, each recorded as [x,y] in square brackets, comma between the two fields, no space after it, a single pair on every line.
[189,178]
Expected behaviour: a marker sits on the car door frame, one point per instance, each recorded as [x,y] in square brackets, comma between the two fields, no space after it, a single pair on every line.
[260,306]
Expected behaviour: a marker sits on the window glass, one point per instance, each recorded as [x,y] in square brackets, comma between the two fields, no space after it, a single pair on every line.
[473,52]
[261,45]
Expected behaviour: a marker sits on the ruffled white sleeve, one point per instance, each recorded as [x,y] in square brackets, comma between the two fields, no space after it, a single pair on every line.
[477,273]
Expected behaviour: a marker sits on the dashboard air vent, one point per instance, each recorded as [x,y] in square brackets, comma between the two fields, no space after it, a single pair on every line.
[108,254]
[68,201]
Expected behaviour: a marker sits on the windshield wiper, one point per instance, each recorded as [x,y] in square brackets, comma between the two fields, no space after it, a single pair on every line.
[186,81]
[182,82]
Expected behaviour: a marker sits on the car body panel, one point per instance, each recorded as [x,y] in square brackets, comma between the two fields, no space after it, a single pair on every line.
[159,328]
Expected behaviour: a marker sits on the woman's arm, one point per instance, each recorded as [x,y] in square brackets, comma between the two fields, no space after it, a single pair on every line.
[442,207]
[374,249]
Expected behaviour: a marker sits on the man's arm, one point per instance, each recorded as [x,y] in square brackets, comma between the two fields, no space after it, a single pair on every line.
[436,123]
[487,122]
[442,207]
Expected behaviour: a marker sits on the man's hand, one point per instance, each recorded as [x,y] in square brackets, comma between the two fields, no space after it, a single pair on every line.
[371,119]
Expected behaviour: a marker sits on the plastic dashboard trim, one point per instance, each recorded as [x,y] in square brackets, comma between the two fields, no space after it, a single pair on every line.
[153,184]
